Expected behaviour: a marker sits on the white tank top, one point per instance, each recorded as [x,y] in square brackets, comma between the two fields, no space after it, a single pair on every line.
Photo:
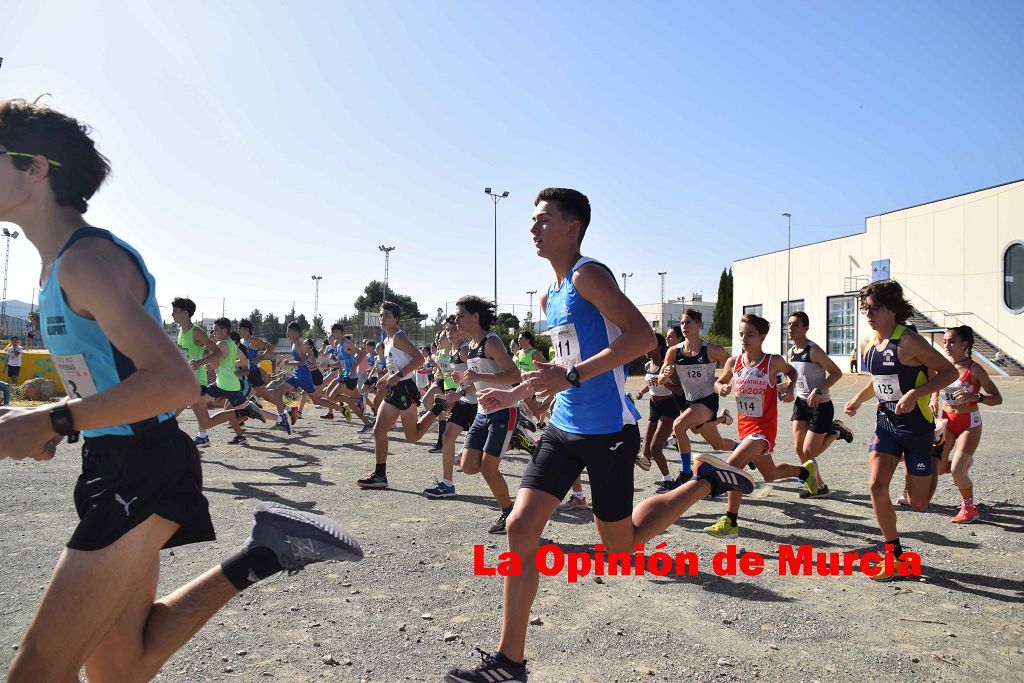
[696,373]
[479,363]
[651,373]
[397,358]
[459,366]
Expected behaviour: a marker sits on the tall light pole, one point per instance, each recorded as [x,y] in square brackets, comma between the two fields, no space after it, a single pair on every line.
[7,255]
[387,262]
[789,253]
[664,323]
[496,198]
[531,293]
[316,298]
[624,276]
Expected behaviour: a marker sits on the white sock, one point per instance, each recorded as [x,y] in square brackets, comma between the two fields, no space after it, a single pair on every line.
[448,482]
[201,435]
[667,477]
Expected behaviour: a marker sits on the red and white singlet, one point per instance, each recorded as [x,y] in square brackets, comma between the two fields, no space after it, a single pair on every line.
[756,400]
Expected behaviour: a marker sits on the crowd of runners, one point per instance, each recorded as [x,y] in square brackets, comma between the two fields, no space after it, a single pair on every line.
[141,484]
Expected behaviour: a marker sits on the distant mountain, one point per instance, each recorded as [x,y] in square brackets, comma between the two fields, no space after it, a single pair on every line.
[17,309]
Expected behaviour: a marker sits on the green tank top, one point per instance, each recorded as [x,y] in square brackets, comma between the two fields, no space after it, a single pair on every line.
[226,377]
[524,359]
[444,361]
[192,350]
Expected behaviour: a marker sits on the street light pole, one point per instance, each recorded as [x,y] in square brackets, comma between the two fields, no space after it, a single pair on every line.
[7,255]
[387,259]
[531,293]
[316,298]
[496,198]
[789,254]
[624,276]
[664,323]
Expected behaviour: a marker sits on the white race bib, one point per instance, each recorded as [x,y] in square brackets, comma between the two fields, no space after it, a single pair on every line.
[566,345]
[801,385]
[75,375]
[691,374]
[652,382]
[751,405]
[887,387]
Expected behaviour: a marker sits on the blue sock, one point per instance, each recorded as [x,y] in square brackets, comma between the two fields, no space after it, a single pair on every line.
[685,462]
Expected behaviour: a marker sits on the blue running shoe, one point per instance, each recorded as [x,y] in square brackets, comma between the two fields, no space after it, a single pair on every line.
[494,668]
[282,422]
[201,441]
[300,538]
[440,490]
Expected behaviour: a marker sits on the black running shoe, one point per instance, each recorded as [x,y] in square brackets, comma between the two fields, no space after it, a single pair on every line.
[722,476]
[499,528]
[494,668]
[842,431]
[237,440]
[440,405]
[666,485]
[373,481]
[250,411]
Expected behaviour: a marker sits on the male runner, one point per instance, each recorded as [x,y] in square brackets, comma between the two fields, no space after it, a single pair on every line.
[595,330]
[199,350]
[141,483]
[900,362]
[814,426]
[256,350]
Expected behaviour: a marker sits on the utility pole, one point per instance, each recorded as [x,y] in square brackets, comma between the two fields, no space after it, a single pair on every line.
[664,323]
[496,198]
[387,262]
[316,298]
[531,293]
[624,276]
[3,306]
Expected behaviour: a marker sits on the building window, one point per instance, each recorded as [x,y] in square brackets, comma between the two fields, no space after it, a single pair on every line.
[1013,277]
[756,309]
[841,330]
[788,307]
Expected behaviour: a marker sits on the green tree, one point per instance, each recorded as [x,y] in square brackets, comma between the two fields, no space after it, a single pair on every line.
[318,326]
[373,295]
[506,321]
[721,320]
[256,318]
[271,327]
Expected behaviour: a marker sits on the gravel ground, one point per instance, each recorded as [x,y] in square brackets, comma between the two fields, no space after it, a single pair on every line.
[413,607]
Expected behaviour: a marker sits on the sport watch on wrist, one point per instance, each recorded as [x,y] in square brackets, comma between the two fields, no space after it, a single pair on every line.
[60,420]
[572,376]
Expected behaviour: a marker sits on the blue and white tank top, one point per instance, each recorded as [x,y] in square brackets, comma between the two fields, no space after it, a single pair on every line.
[579,331]
[86,360]
[396,358]
[347,358]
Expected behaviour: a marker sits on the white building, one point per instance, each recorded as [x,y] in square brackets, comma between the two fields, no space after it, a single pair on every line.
[673,309]
[960,261]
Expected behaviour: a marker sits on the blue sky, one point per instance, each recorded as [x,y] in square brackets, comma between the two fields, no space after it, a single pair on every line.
[256,144]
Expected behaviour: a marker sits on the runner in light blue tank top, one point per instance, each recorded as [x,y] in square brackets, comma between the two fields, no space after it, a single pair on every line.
[579,331]
[84,357]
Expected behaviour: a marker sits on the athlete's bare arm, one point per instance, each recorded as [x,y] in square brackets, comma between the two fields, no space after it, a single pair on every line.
[723,385]
[914,350]
[213,351]
[668,365]
[103,282]
[717,353]
[992,397]
[778,364]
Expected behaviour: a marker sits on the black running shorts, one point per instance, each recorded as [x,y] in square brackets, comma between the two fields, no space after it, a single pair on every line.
[463,413]
[666,407]
[318,378]
[403,395]
[710,401]
[125,479]
[560,457]
[256,376]
[819,418]
[350,383]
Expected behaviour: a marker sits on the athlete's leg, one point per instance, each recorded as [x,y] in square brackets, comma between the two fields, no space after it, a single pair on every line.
[653,446]
[656,514]
[882,466]
[415,429]
[491,472]
[689,418]
[451,433]
[966,445]
[533,509]
[709,432]
[386,419]
[800,431]
[99,611]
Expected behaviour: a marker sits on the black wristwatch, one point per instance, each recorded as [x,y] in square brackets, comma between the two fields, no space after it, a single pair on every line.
[60,420]
[572,376]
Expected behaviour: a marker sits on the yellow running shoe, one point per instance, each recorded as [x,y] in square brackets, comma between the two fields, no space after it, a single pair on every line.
[811,482]
[723,528]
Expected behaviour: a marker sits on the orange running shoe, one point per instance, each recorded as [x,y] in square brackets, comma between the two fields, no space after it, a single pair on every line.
[967,514]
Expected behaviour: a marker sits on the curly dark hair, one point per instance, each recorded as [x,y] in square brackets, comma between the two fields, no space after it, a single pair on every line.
[480,306]
[888,293]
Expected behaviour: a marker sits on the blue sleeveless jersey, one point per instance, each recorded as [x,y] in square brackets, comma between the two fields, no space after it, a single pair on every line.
[87,362]
[348,358]
[579,331]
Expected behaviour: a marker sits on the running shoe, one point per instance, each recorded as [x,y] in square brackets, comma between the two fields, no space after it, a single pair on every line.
[520,441]
[494,668]
[282,422]
[842,431]
[527,423]
[666,485]
[967,514]
[237,440]
[643,462]
[682,478]
[672,443]
[440,490]
[293,414]
[499,524]
[722,476]
[811,482]
[327,416]
[573,503]
[822,492]
[440,405]
[723,528]
[435,449]
[368,427]
[201,441]
[903,500]
[347,412]
[300,538]
[728,417]
[250,411]
[880,574]
[373,481]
